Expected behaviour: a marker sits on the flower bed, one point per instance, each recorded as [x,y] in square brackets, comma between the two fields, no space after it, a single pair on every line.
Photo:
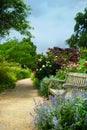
[61,113]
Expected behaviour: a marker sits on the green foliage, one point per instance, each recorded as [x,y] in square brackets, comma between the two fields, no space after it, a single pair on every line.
[2,59]
[13,14]
[6,80]
[44,83]
[83,53]
[72,41]
[76,114]
[61,113]
[83,66]
[44,86]
[80,67]
[10,73]
[61,74]
[23,52]
[79,38]
[21,73]
[35,80]
[54,60]
[45,67]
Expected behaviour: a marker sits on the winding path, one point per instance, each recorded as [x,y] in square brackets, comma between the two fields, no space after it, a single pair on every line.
[16,105]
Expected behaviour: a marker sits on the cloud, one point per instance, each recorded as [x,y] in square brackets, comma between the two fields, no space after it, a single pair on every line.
[54,21]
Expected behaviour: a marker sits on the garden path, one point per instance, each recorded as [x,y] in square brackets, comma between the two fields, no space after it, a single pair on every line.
[16,105]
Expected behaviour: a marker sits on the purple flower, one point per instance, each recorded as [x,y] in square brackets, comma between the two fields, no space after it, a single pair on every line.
[85,94]
[35,122]
[34,101]
[31,114]
[55,122]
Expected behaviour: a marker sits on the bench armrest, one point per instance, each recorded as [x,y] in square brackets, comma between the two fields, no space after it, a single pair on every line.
[61,80]
[58,80]
[55,82]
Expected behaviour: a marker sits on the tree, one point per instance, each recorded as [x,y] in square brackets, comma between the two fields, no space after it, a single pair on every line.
[13,15]
[79,38]
[23,52]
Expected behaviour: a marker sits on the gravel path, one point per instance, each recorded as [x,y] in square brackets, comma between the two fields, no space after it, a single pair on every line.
[16,105]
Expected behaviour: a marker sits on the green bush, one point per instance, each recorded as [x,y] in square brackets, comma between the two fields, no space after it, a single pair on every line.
[54,60]
[21,73]
[35,80]
[62,113]
[46,66]
[10,73]
[61,74]
[83,52]
[22,52]
[82,66]
[44,86]
[44,83]
[6,80]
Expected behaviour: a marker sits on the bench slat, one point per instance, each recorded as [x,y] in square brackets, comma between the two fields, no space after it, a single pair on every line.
[56,91]
[72,79]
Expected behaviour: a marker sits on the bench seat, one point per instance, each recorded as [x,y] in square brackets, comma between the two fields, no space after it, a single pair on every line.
[72,80]
[56,91]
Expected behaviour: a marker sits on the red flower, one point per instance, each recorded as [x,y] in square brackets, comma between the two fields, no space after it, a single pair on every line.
[33,71]
[85,64]
[73,58]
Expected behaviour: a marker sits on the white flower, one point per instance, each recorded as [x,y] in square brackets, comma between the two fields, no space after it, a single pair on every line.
[40,59]
[43,66]
[56,56]
[50,65]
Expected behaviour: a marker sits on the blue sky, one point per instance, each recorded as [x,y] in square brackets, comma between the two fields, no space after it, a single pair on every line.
[53,21]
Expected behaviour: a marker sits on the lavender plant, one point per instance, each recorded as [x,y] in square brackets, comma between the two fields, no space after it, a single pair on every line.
[60,113]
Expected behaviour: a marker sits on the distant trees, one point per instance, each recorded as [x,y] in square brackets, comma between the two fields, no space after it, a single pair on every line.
[79,38]
[23,52]
[13,15]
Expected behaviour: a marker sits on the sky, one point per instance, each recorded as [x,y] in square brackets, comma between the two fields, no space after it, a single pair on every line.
[53,21]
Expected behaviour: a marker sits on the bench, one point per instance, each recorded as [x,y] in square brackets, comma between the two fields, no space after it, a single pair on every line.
[72,79]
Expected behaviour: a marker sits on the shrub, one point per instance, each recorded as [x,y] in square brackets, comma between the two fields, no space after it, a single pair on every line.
[35,80]
[44,86]
[6,80]
[45,67]
[44,83]
[54,60]
[21,73]
[61,74]
[10,73]
[61,113]
[83,66]
[63,56]
[22,52]
[80,67]
[83,52]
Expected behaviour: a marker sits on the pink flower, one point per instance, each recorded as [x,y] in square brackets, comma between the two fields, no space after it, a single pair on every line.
[75,65]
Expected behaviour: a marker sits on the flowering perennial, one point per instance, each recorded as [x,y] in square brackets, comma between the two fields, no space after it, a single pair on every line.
[60,113]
